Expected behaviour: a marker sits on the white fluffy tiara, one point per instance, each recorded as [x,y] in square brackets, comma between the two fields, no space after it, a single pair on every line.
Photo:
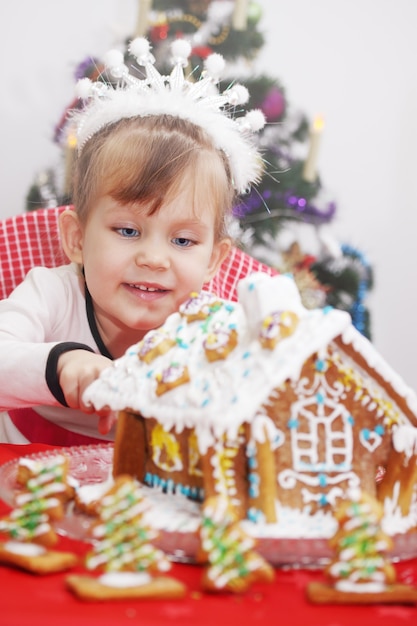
[199,102]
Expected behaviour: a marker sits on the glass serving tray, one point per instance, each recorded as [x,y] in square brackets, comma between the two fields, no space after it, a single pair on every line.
[90,465]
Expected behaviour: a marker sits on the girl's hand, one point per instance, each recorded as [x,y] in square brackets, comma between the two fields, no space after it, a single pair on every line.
[77,369]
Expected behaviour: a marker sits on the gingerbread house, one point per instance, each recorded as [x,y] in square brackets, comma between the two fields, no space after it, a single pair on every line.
[279,408]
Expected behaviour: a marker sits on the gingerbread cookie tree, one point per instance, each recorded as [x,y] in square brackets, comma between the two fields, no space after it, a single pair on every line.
[233,565]
[40,500]
[123,539]
[361,572]
[123,549]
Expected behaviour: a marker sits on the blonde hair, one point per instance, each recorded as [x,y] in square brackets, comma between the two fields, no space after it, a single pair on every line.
[146,160]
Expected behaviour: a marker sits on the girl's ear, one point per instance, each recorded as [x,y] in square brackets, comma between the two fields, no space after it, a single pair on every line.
[220,251]
[71,235]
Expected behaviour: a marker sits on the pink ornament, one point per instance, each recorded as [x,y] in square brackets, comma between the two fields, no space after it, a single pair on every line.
[273,106]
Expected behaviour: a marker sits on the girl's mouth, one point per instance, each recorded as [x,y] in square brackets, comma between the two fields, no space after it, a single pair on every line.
[146,292]
[144,288]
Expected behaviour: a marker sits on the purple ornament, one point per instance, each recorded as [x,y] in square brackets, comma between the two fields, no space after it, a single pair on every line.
[273,106]
[86,68]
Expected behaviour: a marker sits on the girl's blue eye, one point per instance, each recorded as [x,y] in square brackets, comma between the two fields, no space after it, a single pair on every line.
[182,242]
[128,232]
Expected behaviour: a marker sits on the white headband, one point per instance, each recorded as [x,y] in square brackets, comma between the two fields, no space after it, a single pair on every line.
[199,102]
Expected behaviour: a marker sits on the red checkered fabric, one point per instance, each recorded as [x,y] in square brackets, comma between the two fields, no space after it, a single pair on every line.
[28,240]
[32,239]
[236,266]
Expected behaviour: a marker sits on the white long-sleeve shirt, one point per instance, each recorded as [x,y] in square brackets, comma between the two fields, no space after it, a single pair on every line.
[48,308]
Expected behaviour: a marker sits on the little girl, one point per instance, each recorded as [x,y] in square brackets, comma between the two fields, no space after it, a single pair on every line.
[158,169]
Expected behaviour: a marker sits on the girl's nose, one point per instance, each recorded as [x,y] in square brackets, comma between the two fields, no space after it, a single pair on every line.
[153,255]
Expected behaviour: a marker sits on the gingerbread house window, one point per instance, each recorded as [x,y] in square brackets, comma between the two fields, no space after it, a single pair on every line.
[321,435]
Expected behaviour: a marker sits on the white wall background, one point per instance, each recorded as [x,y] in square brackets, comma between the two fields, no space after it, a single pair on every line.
[353,62]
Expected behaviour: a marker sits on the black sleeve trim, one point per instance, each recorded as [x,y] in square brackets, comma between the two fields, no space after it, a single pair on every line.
[52,365]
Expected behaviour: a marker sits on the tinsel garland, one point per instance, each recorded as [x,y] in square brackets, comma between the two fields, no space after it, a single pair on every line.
[289,206]
[359,311]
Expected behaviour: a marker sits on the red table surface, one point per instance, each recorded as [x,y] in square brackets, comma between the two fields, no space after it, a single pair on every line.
[30,600]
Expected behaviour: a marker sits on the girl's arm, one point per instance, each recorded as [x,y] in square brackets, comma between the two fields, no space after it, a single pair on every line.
[48,308]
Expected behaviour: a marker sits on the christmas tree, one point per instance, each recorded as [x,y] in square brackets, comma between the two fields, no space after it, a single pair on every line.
[122,537]
[233,564]
[360,546]
[123,551]
[41,495]
[271,220]
[39,502]
[361,571]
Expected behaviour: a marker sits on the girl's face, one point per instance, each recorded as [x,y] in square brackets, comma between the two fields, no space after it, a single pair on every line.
[138,267]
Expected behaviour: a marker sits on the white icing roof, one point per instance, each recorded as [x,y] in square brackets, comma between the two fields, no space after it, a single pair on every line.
[223,394]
